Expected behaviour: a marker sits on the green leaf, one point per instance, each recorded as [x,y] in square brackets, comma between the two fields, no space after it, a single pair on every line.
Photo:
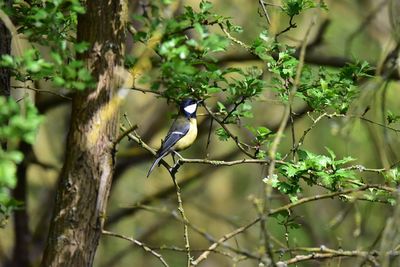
[293,198]
[222,134]
[15,156]
[221,107]
[33,66]
[58,81]
[7,61]
[302,154]
[205,6]
[392,201]
[273,180]
[8,171]
[331,153]
[81,47]
[391,117]
[57,58]
[290,170]
[213,89]
[295,7]
[261,154]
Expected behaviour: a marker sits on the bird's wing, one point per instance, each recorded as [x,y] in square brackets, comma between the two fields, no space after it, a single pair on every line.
[179,129]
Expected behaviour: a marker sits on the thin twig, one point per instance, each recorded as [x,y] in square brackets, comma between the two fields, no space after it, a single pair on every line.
[125,133]
[239,144]
[233,39]
[320,256]
[264,8]
[291,26]
[333,115]
[198,230]
[272,4]
[138,243]
[184,218]
[378,124]
[287,207]
[301,140]
[367,20]
[226,237]
[140,142]
[179,249]
[226,163]
[279,134]
[290,206]
[209,134]
[237,104]
[42,91]
[144,91]
[292,93]
[291,119]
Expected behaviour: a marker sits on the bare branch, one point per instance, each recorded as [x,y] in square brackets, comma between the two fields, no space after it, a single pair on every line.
[125,133]
[287,207]
[226,163]
[138,243]
[184,218]
[42,91]
[264,8]
[242,146]
[290,206]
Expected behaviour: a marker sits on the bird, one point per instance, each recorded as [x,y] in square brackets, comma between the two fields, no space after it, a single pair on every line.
[182,133]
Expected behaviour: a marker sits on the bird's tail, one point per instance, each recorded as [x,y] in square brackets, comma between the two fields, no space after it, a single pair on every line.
[156,162]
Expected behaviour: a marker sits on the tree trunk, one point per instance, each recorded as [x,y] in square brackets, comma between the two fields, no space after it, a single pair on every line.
[22,234]
[86,176]
[5,49]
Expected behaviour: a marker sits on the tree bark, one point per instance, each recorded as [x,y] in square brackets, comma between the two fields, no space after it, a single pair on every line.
[86,176]
[5,49]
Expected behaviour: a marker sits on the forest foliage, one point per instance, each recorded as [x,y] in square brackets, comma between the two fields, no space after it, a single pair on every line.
[186,62]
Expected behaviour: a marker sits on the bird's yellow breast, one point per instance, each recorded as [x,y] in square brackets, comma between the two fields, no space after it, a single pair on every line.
[189,138]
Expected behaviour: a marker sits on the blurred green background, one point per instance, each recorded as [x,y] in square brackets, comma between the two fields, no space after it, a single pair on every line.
[220,199]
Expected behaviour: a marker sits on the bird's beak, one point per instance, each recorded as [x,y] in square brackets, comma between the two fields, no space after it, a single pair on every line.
[200,101]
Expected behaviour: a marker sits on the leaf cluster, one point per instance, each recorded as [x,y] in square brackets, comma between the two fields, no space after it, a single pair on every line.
[52,24]
[392,117]
[188,51]
[326,89]
[295,7]
[320,88]
[314,169]
[15,126]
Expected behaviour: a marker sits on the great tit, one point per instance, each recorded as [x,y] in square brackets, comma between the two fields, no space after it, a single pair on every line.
[182,133]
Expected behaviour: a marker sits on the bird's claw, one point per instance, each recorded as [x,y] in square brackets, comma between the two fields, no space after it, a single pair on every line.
[174,169]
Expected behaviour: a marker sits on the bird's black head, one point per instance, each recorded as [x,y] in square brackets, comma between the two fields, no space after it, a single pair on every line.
[188,107]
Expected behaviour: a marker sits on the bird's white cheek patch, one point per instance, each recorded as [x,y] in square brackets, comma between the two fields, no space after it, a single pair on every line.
[191,108]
